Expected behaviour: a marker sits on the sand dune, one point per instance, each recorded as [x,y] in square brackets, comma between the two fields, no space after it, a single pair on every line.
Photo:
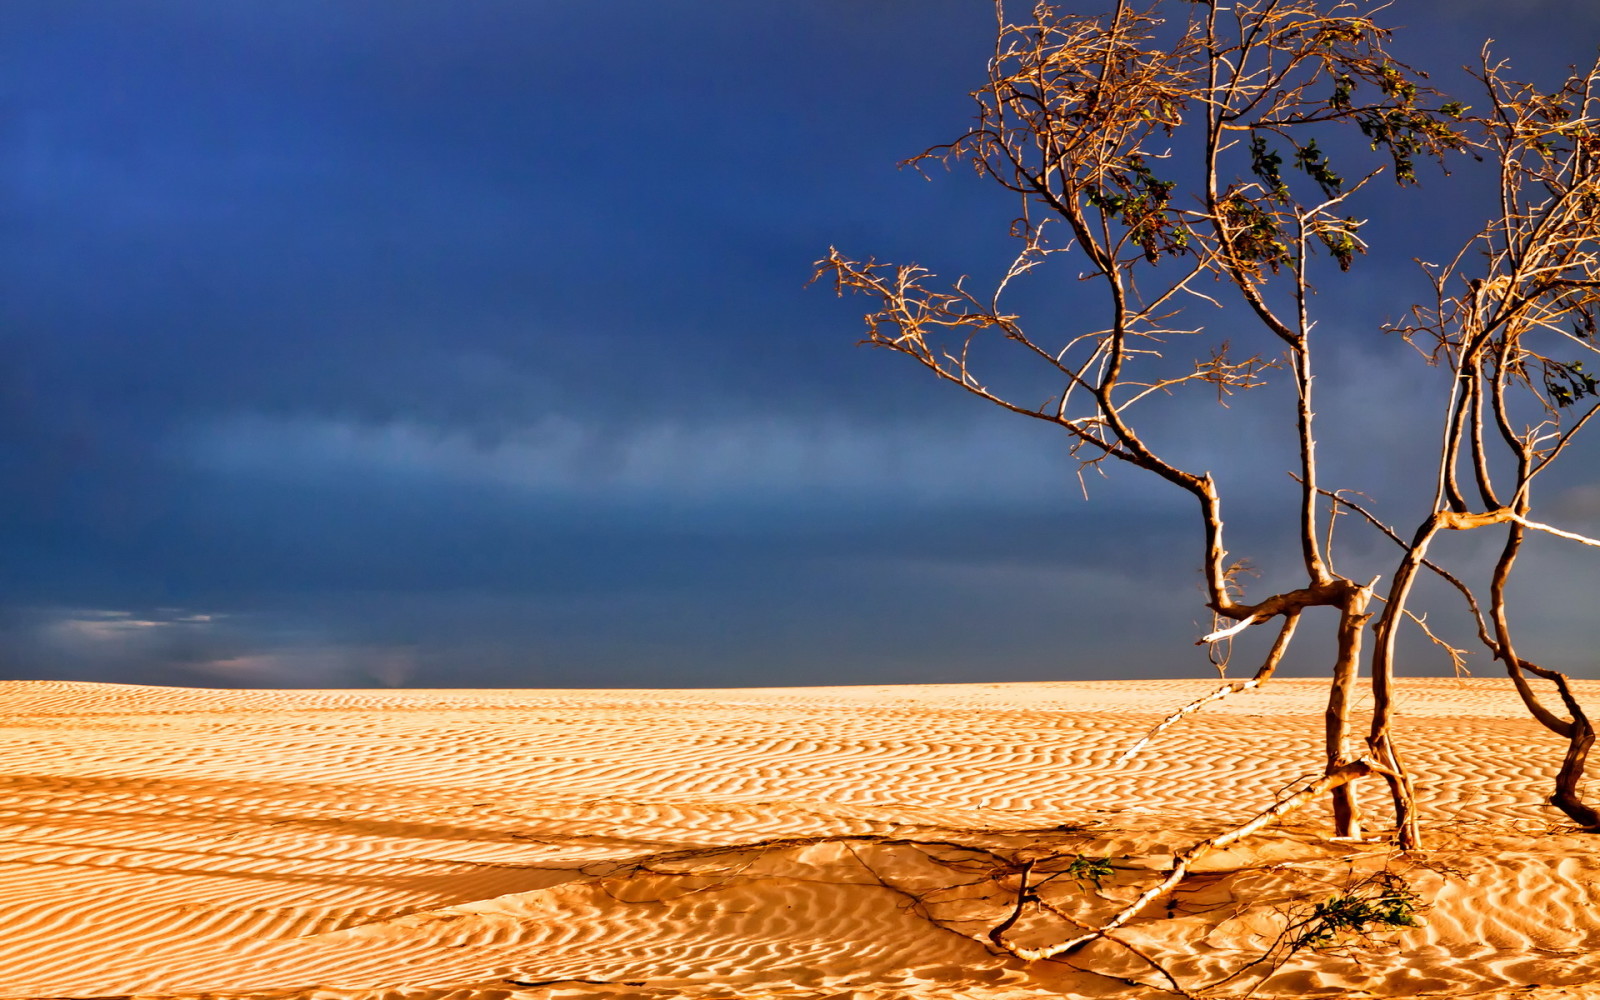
[799,843]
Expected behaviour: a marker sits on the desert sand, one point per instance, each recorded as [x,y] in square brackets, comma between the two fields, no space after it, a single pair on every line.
[798,843]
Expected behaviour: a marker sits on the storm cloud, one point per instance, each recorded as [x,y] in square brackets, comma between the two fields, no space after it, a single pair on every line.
[346,343]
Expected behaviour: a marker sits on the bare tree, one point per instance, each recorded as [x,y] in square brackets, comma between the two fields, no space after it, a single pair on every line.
[1189,156]
[1508,310]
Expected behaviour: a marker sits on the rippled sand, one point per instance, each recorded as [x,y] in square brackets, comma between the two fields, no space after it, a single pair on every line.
[807,842]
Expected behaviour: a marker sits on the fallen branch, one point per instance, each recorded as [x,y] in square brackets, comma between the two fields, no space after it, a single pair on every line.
[1341,775]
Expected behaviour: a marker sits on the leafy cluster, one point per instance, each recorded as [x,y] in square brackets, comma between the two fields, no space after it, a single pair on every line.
[1403,129]
[1567,382]
[1262,240]
[1267,165]
[1253,233]
[1141,201]
[1315,164]
[1384,99]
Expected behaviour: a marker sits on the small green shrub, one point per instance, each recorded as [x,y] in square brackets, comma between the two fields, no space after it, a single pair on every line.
[1381,902]
[1090,871]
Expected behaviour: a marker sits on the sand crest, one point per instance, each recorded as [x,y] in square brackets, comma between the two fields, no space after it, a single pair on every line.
[799,843]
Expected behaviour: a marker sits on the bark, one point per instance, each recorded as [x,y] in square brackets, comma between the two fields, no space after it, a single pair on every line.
[1352,620]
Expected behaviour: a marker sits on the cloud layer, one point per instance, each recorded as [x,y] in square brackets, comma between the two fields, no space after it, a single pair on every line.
[472,344]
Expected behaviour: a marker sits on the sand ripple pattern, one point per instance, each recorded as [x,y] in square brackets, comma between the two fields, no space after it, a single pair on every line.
[433,844]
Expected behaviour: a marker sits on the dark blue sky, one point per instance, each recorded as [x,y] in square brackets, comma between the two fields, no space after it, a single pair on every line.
[347,342]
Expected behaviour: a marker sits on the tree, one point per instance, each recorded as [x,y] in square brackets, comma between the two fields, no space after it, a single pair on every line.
[1188,157]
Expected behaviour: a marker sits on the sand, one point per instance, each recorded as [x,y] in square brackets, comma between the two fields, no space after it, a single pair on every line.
[845,843]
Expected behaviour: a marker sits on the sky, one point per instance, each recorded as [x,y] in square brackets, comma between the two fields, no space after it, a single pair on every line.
[349,343]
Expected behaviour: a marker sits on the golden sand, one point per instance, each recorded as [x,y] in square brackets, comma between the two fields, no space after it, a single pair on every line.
[809,843]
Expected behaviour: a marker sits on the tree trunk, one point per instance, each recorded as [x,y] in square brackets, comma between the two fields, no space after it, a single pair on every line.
[1353,617]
